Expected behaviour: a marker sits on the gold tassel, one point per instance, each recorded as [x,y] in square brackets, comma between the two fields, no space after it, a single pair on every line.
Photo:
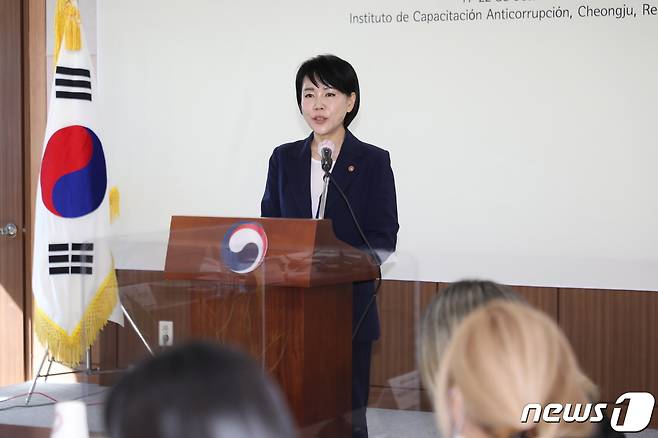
[60,21]
[72,29]
[115,201]
[67,26]
[69,349]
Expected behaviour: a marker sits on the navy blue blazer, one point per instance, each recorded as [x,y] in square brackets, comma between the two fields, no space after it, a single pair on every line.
[364,173]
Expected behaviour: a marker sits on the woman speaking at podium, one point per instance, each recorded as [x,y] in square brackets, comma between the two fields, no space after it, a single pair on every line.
[328,98]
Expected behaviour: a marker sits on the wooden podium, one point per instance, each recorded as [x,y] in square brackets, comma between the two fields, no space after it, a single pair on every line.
[293,312]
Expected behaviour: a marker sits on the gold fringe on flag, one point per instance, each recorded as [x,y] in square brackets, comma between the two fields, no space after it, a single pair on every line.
[115,204]
[69,349]
[67,24]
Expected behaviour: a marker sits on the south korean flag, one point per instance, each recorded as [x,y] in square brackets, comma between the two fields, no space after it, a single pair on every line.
[73,281]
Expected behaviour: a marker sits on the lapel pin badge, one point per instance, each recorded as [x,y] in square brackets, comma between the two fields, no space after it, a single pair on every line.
[351,168]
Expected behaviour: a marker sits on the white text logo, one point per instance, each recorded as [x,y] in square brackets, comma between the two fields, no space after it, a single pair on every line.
[638,414]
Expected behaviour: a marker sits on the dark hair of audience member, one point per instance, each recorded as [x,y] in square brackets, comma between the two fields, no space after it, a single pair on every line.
[199,390]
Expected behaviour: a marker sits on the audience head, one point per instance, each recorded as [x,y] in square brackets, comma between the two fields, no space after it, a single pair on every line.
[199,390]
[443,315]
[503,356]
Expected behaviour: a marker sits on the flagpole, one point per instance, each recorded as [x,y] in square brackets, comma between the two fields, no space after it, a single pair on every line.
[134,326]
[34,382]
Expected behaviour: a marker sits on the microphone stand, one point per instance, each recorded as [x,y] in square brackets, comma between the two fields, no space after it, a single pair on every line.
[326,166]
[376,259]
[323,197]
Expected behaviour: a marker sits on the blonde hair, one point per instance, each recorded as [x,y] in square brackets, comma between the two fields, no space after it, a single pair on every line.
[443,315]
[503,357]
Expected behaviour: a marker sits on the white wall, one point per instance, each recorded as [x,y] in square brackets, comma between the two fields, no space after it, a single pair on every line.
[524,150]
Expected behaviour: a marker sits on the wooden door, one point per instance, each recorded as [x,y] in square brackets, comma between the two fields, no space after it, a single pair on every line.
[12,259]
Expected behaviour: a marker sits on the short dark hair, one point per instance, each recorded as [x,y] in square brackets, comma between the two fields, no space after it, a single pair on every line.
[333,72]
[198,390]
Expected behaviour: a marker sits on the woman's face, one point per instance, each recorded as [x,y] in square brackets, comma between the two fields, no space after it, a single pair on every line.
[324,108]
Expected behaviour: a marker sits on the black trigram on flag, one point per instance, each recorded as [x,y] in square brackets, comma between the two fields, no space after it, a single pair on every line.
[72,83]
[74,258]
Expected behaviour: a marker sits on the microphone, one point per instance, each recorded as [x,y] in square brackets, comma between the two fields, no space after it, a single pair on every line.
[327,148]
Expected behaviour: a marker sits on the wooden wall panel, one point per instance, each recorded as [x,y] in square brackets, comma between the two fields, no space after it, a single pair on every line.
[615,336]
[394,379]
[12,269]
[542,298]
[401,306]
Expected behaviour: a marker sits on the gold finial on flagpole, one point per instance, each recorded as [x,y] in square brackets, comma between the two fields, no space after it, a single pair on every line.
[67,26]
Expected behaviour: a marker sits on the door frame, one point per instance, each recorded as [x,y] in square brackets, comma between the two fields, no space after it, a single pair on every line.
[34,126]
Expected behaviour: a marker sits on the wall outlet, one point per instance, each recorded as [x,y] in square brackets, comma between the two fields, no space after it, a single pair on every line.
[165,333]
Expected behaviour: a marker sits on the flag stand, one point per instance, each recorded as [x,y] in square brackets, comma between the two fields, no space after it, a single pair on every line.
[88,369]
